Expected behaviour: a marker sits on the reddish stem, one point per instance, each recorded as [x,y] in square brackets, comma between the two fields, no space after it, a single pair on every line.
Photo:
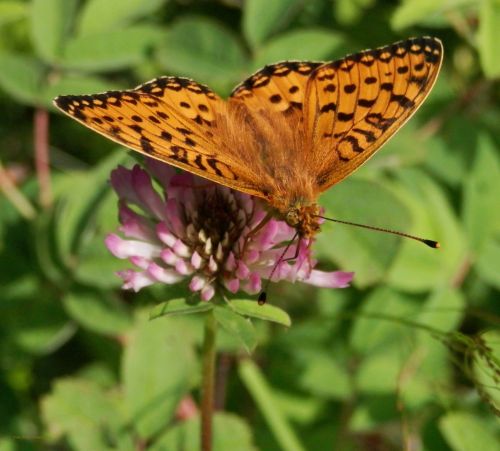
[41,146]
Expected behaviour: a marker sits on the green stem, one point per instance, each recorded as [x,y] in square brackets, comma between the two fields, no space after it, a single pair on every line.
[207,400]
[262,394]
[15,196]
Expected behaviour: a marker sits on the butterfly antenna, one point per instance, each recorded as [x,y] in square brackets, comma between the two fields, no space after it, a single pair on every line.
[430,243]
[261,300]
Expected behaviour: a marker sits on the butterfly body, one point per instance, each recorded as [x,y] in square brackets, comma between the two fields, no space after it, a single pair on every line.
[285,135]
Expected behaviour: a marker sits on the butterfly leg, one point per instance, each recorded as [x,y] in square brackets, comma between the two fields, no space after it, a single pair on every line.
[297,249]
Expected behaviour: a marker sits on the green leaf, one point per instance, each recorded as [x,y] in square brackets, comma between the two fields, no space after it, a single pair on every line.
[74,85]
[417,267]
[185,435]
[411,12]
[428,356]
[32,318]
[378,374]
[299,408]
[366,252]
[445,161]
[373,413]
[204,50]
[110,50]
[103,15]
[266,312]
[487,366]
[489,51]
[488,263]
[261,18]
[308,44]
[12,10]
[466,432]
[237,326]
[50,23]
[325,378]
[83,413]
[481,216]
[83,197]
[443,311]
[21,77]
[97,266]
[381,321]
[97,311]
[262,394]
[348,12]
[158,368]
[179,307]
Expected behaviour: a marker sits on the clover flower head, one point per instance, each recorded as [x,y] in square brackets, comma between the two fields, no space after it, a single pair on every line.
[185,228]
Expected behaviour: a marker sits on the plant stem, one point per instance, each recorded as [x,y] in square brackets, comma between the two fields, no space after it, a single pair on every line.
[41,145]
[262,393]
[208,383]
[15,196]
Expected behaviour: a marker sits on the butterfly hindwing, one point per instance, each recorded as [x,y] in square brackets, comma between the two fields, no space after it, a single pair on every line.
[356,104]
[171,119]
[277,87]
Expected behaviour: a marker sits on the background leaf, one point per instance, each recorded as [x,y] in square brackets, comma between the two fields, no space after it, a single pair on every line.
[101,15]
[50,25]
[261,18]
[157,371]
[110,50]
[487,39]
[465,433]
[369,203]
[21,77]
[313,44]
[203,49]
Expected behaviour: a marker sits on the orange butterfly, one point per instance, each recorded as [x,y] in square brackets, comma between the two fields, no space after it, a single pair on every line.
[286,134]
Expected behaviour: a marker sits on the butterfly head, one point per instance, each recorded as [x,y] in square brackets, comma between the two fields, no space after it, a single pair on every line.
[304,218]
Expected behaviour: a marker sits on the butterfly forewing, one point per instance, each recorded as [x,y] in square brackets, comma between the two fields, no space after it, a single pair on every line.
[171,119]
[356,104]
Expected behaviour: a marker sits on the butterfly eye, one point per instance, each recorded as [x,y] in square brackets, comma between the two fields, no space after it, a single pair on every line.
[292,217]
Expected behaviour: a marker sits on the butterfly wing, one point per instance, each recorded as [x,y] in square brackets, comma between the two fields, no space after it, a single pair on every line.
[277,87]
[170,119]
[356,104]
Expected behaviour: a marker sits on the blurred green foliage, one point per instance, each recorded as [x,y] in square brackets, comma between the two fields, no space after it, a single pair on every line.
[408,357]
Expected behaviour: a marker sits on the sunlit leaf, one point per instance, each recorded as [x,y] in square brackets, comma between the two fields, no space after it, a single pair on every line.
[110,50]
[265,312]
[466,432]
[103,15]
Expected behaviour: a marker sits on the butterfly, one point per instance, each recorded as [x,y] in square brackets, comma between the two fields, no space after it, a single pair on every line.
[286,134]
